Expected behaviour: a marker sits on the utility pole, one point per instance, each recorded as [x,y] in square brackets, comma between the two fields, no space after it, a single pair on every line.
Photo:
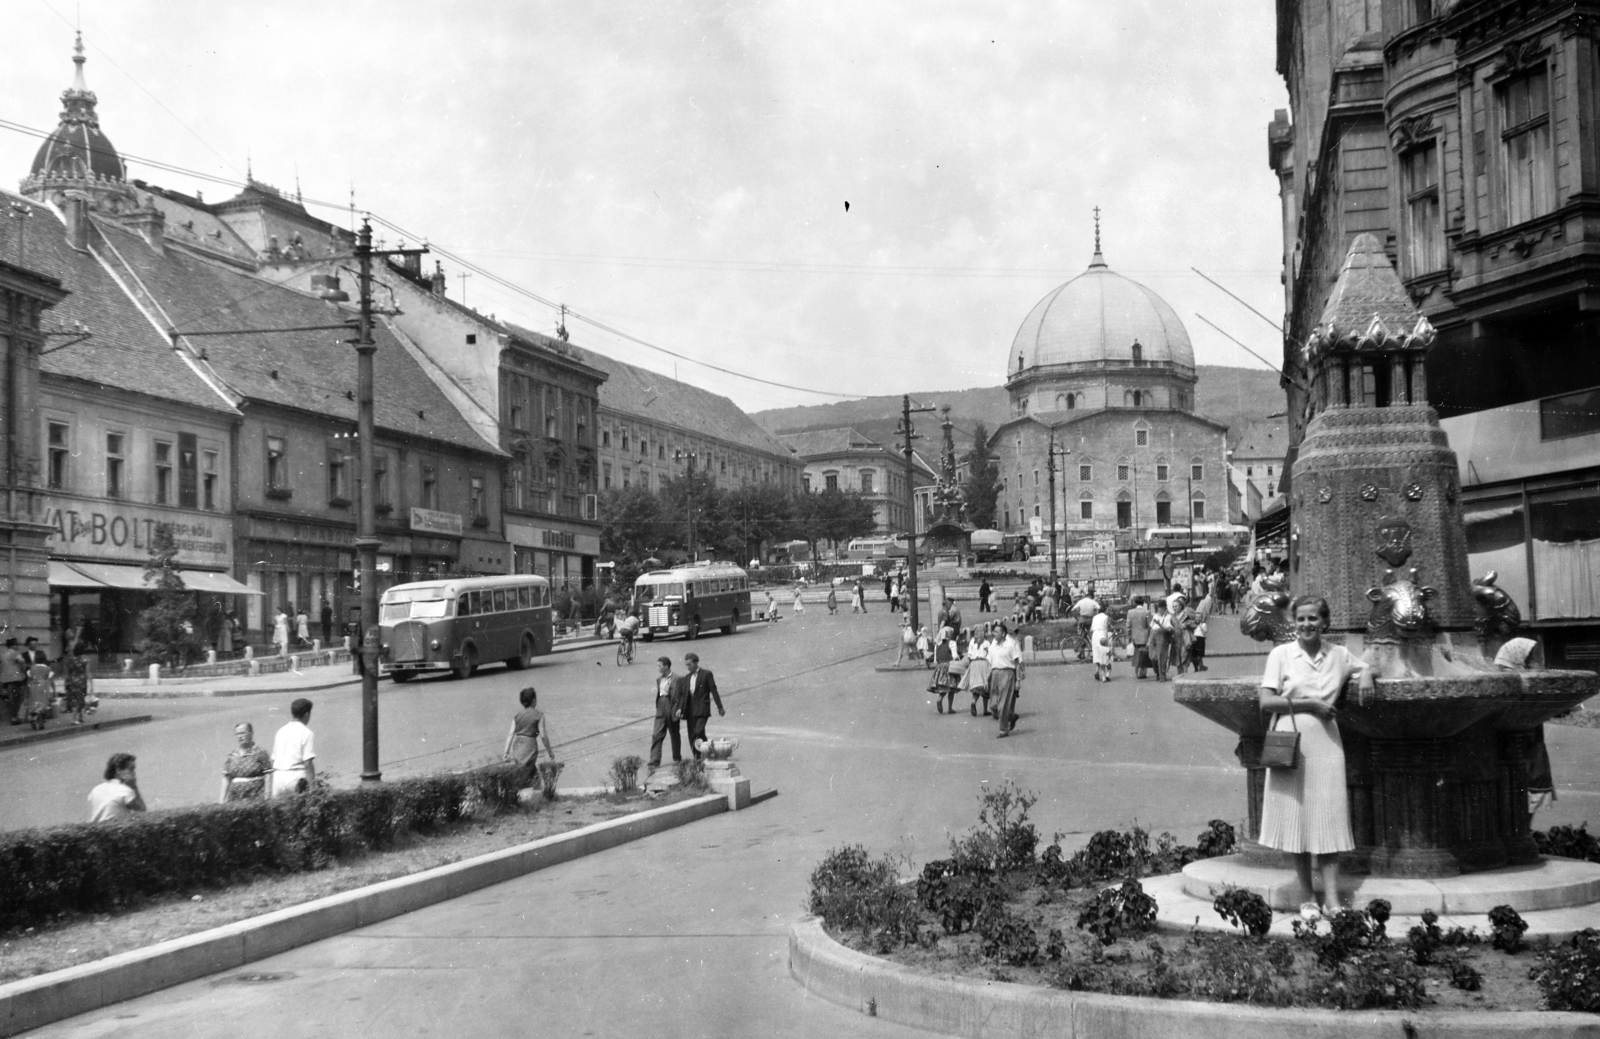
[1050,467]
[909,431]
[367,517]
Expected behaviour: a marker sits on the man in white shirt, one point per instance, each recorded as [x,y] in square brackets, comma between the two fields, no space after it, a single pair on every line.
[1005,672]
[1085,608]
[294,766]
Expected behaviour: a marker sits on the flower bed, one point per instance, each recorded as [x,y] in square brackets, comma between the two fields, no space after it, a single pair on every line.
[996,910]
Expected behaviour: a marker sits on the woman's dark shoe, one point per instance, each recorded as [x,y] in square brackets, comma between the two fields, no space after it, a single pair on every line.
[973,710]
[938,705]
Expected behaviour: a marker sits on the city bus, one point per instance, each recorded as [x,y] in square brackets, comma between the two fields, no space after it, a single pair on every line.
[455,624]
[1205,536]
[687,600]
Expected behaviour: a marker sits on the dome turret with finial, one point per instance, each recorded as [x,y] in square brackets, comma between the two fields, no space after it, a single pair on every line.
[78,155]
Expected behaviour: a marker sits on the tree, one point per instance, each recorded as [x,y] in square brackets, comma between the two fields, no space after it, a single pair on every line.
[846,515]
[983,480]
[762,512]
[167,628]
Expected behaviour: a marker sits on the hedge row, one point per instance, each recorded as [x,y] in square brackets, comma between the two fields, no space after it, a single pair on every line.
[99,867]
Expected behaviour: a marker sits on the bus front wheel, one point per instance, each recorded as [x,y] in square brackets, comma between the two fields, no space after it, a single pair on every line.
[524,658]
[468,663]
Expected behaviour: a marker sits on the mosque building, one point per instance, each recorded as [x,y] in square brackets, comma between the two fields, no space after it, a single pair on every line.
[1102,374]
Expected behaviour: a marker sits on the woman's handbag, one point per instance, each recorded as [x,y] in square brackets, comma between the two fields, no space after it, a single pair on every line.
[1281,749]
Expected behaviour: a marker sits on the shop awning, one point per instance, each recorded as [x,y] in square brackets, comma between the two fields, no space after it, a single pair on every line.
[63,576]
[220,584]
[1273,525]
[112,576]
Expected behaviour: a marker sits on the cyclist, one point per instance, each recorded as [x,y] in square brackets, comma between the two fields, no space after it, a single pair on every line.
[606,619]
[627,628]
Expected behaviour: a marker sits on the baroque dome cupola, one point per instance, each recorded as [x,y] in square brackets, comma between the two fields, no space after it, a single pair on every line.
[77,156]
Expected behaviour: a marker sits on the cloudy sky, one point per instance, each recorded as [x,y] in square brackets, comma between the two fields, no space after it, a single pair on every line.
[678,171]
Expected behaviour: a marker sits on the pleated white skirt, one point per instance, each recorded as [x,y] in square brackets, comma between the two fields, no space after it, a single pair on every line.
[1307,809]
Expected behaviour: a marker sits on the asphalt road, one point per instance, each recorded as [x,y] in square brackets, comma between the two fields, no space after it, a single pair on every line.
[683,934]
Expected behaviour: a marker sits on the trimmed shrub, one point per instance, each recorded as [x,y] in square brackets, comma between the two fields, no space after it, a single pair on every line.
[101,867]
[956,898]
[1119,911]
[1506,927]
[1245,910]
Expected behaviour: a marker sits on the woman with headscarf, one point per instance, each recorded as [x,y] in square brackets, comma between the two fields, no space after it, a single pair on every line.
[944,683]
[1100,643]
[976,680]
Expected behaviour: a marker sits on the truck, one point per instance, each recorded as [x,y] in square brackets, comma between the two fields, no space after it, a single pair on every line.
[990,546]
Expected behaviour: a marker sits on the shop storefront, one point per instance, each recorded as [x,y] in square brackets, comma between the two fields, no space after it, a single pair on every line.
[563,553]
[98,551]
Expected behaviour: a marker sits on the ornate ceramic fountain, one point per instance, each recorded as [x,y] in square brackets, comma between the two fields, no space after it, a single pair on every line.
[1438,762]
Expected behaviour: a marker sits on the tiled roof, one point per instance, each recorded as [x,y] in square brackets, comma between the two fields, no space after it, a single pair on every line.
[653,397]
[125,351]
[1264,438]
[816,443]
[192,223]
[311,371]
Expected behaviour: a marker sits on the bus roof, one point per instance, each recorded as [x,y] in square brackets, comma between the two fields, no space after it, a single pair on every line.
[451,586]
[682,573]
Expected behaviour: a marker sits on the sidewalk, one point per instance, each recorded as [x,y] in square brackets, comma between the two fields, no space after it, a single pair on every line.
[305,680]
[62,728]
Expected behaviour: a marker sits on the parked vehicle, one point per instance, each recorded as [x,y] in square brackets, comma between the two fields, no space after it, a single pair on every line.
[688,599]
[990,546]
[456,624]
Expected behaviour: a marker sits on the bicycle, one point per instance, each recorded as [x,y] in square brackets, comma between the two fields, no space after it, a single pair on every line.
[625,651]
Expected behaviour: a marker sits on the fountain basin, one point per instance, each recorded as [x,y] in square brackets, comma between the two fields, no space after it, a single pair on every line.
[1436,766]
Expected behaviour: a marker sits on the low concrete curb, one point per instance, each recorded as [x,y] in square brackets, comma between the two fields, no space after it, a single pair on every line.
[33,1002]
[67,730]
[983,1009]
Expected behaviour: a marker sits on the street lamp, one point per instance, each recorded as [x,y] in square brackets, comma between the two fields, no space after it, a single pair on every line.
[688,458]
[1054,451]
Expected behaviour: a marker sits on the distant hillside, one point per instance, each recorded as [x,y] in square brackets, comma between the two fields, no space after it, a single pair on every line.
[1235,396]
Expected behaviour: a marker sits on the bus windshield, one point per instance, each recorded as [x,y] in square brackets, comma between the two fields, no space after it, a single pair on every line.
[658,592]
[421,609]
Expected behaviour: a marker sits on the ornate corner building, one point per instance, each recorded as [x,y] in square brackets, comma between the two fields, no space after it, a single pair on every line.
[1465,136]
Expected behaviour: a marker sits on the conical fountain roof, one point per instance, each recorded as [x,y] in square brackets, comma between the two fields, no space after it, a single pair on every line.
[1368,308]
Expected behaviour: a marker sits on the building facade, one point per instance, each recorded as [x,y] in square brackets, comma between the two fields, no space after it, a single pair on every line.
[1101,378]
[1257,464]
[846,460]
[1463,136]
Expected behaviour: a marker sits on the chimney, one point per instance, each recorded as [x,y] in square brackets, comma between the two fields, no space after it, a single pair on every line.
[438,278]
[77,213]
[152,224]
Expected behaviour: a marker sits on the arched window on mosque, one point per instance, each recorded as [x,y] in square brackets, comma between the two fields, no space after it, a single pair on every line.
[1163,509]
[1061,401]
[1072,401]
[1138,352]
[1124,470]
[1197,469]
[1163,470]
[1085,471]
[1138,399]
[1141,435]
[1086,506]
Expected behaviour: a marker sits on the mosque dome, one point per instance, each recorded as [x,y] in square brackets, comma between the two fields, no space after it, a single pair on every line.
[78,148]
[1098,317]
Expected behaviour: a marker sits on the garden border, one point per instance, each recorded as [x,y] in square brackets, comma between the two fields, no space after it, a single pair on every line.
[978,1009]
[33,1002]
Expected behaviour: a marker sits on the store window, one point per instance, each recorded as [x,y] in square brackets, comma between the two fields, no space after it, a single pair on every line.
[163,471]
[1525,152]
[277,466]
[209,476]
[59,435]
[1566,554]
[115,460]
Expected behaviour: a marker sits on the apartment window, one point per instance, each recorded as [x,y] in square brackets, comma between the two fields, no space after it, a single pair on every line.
[163,471]
[831,481]
[475,502]
[1141,438]
[1085,472]
[866,481]
[188,470]
[338,476]
[1086,510]
[724,468]
[644,449]
[380,479]
[1163,472]
[1525,145]
[1163,513]
[805,482]
[1269,470]
[1198,509]
[605,475]
[429,498]
[208,481]
[277,465]
[59,435]
[115,459]
[661,452]
[605,438]
[1249,470]
[1419,178]
[627,477]
[624,441]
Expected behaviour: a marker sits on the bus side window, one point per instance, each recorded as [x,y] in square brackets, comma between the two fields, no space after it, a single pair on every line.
[499,600]
[477,602]
[463,606]
[522,598]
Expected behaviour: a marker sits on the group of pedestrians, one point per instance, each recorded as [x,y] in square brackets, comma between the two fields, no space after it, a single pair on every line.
[295,631]
[1168,635]
[984,662]
[683,701]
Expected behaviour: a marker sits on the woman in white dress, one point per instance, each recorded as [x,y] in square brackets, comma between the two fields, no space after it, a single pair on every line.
[1100,643]
[799,607]
[1306,810]
[976,680]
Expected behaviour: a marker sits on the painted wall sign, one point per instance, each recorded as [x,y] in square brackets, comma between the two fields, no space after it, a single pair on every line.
[95,528]
[435,522]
